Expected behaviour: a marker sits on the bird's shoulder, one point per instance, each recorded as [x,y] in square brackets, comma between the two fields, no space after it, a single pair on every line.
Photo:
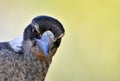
[4,47]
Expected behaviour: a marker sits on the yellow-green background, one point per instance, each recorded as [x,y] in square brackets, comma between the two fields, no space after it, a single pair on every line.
[90,50]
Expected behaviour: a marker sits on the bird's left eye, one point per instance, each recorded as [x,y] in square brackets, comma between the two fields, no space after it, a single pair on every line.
[57,43]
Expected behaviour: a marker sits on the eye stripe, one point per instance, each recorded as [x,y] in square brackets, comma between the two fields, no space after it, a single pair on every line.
[36,26]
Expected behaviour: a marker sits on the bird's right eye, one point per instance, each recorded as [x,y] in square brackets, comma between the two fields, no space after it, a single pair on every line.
[35,34]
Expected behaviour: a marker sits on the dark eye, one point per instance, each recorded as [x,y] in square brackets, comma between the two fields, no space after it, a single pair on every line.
[35,34]
[57,43]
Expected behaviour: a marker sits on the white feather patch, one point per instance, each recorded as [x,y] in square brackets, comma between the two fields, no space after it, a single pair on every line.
[17,43]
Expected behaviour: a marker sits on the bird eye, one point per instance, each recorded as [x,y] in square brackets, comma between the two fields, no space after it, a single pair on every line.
[34,31]
[57,43]
[35,34]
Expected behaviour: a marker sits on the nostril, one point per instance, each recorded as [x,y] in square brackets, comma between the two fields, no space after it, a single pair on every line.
[38,37]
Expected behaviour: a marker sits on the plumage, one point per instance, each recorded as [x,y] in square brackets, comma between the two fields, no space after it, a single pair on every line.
[27,57]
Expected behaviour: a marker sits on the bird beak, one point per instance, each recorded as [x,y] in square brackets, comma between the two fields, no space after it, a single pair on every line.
[46,42]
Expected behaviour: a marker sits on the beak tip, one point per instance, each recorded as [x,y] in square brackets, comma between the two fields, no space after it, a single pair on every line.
[46,42]
[45,52]
[43,47]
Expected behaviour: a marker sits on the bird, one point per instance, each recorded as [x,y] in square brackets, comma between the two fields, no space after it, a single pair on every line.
[28,56]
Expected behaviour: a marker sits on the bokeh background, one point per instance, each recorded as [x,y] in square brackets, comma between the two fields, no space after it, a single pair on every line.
[90,50]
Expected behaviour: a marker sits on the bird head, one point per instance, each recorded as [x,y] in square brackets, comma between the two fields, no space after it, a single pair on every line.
[43,36]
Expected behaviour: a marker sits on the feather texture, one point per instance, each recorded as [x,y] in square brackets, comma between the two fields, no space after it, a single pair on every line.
[28,57]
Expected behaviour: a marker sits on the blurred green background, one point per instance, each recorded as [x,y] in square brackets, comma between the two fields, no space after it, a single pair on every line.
[90,50]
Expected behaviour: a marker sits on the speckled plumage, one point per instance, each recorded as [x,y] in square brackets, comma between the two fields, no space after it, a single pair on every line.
[16,67]
[31,63]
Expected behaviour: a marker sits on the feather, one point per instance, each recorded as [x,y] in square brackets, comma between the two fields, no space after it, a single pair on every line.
[28,57]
